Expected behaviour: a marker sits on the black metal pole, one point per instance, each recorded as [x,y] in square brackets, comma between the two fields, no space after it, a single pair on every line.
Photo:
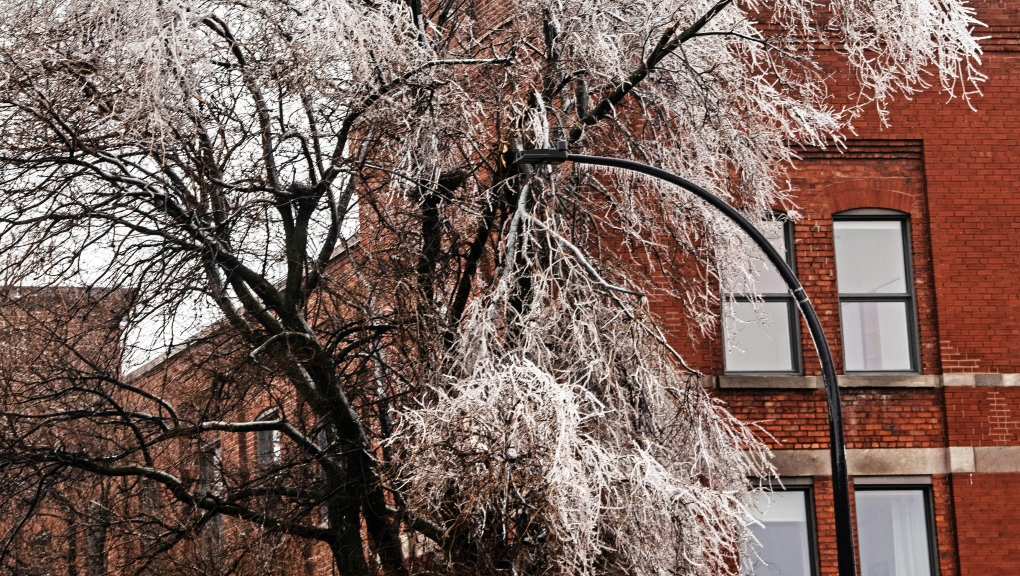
[837,445]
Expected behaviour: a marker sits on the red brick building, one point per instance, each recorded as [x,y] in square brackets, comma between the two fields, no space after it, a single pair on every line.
[908,242]
[909,246]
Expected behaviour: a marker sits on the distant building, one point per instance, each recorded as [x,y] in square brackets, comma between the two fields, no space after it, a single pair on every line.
[56,346]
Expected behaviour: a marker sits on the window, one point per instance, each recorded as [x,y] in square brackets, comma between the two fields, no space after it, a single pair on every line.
[267,442]
[752,346]
[323,440]
[210,468]
[785,543]
[876,300]
[210,483]
[894,531]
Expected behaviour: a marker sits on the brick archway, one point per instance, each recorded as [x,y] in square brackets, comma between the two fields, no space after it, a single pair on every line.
[871,193]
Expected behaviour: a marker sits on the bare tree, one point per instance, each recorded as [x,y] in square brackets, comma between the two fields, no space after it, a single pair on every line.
[308,207]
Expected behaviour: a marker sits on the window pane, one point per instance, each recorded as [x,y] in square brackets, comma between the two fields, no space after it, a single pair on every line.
[768,280]
[267,443]
[210,467]
[893,533]
[869,257]
[783,548]
[751,347]
[875,336]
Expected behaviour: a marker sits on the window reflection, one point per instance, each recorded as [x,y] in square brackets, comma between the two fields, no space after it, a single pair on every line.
[893,536]
[267,442]
[762,336]
[876,336]
[783,547]
[876,298]
[869,256]
[754,346]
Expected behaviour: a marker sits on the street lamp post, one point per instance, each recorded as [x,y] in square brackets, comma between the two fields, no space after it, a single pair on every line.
[837,444]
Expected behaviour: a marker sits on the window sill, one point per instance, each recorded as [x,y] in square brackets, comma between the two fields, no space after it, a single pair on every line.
[811,382]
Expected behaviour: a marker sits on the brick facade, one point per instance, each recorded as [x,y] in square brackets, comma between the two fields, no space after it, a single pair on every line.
[956,424]
[954,172]
[988,534]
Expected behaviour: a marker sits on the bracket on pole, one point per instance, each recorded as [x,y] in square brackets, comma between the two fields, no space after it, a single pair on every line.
[543,155]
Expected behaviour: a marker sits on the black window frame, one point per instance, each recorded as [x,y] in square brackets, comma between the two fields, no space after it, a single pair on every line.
[793,316]
[909,297]
[807,488]
[929,515]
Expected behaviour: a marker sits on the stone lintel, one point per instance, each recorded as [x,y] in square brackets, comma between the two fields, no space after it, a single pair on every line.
[990,459]
[889,380]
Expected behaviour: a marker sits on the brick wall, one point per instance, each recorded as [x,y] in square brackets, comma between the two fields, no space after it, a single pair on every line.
[874,418]
[983,416]
[956,172]
[970,159]
[988,531]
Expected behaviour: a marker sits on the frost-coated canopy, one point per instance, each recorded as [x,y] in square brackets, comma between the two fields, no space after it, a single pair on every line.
[325,184]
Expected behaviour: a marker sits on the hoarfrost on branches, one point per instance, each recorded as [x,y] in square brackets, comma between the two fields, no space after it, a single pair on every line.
[474,381]
[580,435]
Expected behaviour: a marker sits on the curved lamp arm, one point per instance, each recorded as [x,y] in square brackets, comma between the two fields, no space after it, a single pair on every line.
[837,444]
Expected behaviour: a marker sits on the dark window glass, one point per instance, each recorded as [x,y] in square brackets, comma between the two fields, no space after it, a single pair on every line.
[784,538]
[761,336]
[876,296]
[893,532]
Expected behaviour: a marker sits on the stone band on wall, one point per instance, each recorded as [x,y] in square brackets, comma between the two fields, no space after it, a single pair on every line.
[902,461]
[992,380]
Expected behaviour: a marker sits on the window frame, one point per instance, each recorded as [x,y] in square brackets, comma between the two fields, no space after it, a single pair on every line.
[806,487]
[210,483]
[927,496]
[909,298]
[210,465]
[792,314]
[276,444]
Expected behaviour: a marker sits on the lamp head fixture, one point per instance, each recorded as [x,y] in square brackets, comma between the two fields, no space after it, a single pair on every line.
[550,156]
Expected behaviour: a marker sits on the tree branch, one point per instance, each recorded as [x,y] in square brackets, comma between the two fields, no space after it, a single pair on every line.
[666,45]
[173,484]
